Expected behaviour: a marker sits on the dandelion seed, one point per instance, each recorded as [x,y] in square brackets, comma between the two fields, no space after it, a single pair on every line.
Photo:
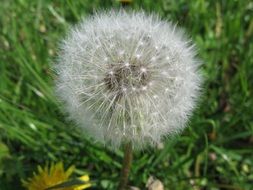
[121,53]
[127,64]
[155,96]
[138,56]
[153,59]
[124,89]
[144,88]
[143,69]
[164,73]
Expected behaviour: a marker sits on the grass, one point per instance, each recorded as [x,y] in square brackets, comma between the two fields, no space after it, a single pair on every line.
[214,152]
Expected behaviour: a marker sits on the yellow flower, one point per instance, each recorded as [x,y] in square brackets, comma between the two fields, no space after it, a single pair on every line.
[84,178]
[55,174]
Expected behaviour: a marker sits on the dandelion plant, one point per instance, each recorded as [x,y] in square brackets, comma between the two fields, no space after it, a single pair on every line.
[128,79]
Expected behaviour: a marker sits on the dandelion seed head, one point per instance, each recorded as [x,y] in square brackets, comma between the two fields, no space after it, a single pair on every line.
[128,77]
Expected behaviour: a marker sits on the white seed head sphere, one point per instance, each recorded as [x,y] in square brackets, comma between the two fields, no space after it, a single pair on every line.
[128,77]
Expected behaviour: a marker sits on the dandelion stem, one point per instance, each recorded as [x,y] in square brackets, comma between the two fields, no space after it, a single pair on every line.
[128,156]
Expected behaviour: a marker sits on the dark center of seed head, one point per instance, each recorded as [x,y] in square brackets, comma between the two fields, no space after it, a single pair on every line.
[126,77]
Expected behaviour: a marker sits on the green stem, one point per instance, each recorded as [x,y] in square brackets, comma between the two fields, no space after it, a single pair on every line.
[128,156]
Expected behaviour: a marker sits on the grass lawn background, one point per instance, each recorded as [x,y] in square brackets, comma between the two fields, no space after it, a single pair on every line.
[214,152]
